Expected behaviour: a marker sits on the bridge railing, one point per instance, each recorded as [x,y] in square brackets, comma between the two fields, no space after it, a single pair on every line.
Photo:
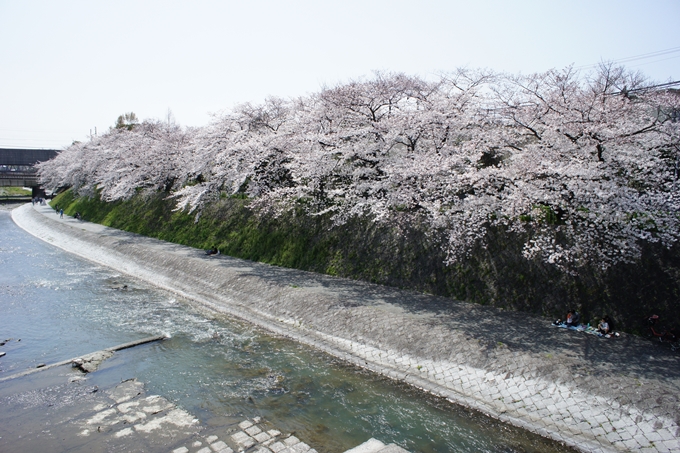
[17,168]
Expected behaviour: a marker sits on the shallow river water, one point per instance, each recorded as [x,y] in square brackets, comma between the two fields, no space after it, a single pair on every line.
[220,370]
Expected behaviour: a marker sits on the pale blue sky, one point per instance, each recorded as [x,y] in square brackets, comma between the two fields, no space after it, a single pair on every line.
[68,66]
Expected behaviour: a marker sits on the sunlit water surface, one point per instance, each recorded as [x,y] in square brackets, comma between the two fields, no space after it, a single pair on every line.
[218,369]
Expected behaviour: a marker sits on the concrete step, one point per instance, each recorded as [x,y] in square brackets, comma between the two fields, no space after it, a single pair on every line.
[392,448]
[375,446]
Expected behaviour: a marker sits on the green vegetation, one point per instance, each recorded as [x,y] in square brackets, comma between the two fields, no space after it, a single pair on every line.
[15,192]
[495,274]
[227,225]
[127,121]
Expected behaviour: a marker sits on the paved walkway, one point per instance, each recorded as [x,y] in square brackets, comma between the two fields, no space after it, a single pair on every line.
[595,394]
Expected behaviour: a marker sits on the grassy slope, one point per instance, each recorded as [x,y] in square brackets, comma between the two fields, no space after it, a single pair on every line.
[496,275]
[14,192]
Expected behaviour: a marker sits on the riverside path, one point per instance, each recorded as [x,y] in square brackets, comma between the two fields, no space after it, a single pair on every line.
[597,395]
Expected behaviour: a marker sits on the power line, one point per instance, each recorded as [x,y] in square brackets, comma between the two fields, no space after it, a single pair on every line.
[655,61]
[643,56]
[650,55]
[661,85]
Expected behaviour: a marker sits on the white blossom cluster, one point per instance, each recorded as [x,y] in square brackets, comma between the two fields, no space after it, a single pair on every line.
[584,166]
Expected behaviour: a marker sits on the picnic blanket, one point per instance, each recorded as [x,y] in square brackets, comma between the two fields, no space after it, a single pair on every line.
[587,329]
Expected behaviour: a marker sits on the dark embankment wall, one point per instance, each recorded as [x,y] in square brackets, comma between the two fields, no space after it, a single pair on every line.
[496,275]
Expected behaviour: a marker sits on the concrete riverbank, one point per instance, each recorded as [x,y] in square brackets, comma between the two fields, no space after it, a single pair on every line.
[595,394]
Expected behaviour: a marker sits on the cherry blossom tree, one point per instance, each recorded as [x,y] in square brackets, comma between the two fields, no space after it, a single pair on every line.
[593,165]
[122,161]
[583,166]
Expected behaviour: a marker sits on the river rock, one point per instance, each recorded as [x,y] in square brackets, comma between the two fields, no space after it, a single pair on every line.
[89,363]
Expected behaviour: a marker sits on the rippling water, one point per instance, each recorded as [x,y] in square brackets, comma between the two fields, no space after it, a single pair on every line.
[220,370]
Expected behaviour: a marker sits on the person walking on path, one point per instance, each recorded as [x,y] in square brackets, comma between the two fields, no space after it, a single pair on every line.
[61,213]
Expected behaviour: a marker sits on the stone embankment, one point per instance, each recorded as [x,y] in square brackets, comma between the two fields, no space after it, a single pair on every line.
[598,395]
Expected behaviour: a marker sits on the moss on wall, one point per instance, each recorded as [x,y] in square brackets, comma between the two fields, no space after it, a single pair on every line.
[493,275]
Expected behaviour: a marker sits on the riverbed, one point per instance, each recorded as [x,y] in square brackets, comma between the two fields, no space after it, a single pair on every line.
[56,306]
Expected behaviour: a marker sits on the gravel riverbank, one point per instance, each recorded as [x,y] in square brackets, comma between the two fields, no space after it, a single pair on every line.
[599,395]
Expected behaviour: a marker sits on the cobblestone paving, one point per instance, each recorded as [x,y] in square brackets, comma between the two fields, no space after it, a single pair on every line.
[250,435]
[599,395]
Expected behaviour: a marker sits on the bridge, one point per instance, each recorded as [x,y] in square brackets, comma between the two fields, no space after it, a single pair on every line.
[17,167]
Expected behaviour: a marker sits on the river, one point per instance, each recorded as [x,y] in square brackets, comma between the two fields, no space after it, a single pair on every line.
[54,306]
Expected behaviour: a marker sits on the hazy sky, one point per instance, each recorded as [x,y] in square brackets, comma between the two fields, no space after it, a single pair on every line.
[67,66]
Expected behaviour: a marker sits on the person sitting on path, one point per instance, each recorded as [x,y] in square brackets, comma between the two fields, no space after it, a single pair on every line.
[603,326]
[573,319]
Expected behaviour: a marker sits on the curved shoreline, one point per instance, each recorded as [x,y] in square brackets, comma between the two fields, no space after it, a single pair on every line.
[558,384]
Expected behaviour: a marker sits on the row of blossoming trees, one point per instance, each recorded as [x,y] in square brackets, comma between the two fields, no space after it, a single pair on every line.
[585,167]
